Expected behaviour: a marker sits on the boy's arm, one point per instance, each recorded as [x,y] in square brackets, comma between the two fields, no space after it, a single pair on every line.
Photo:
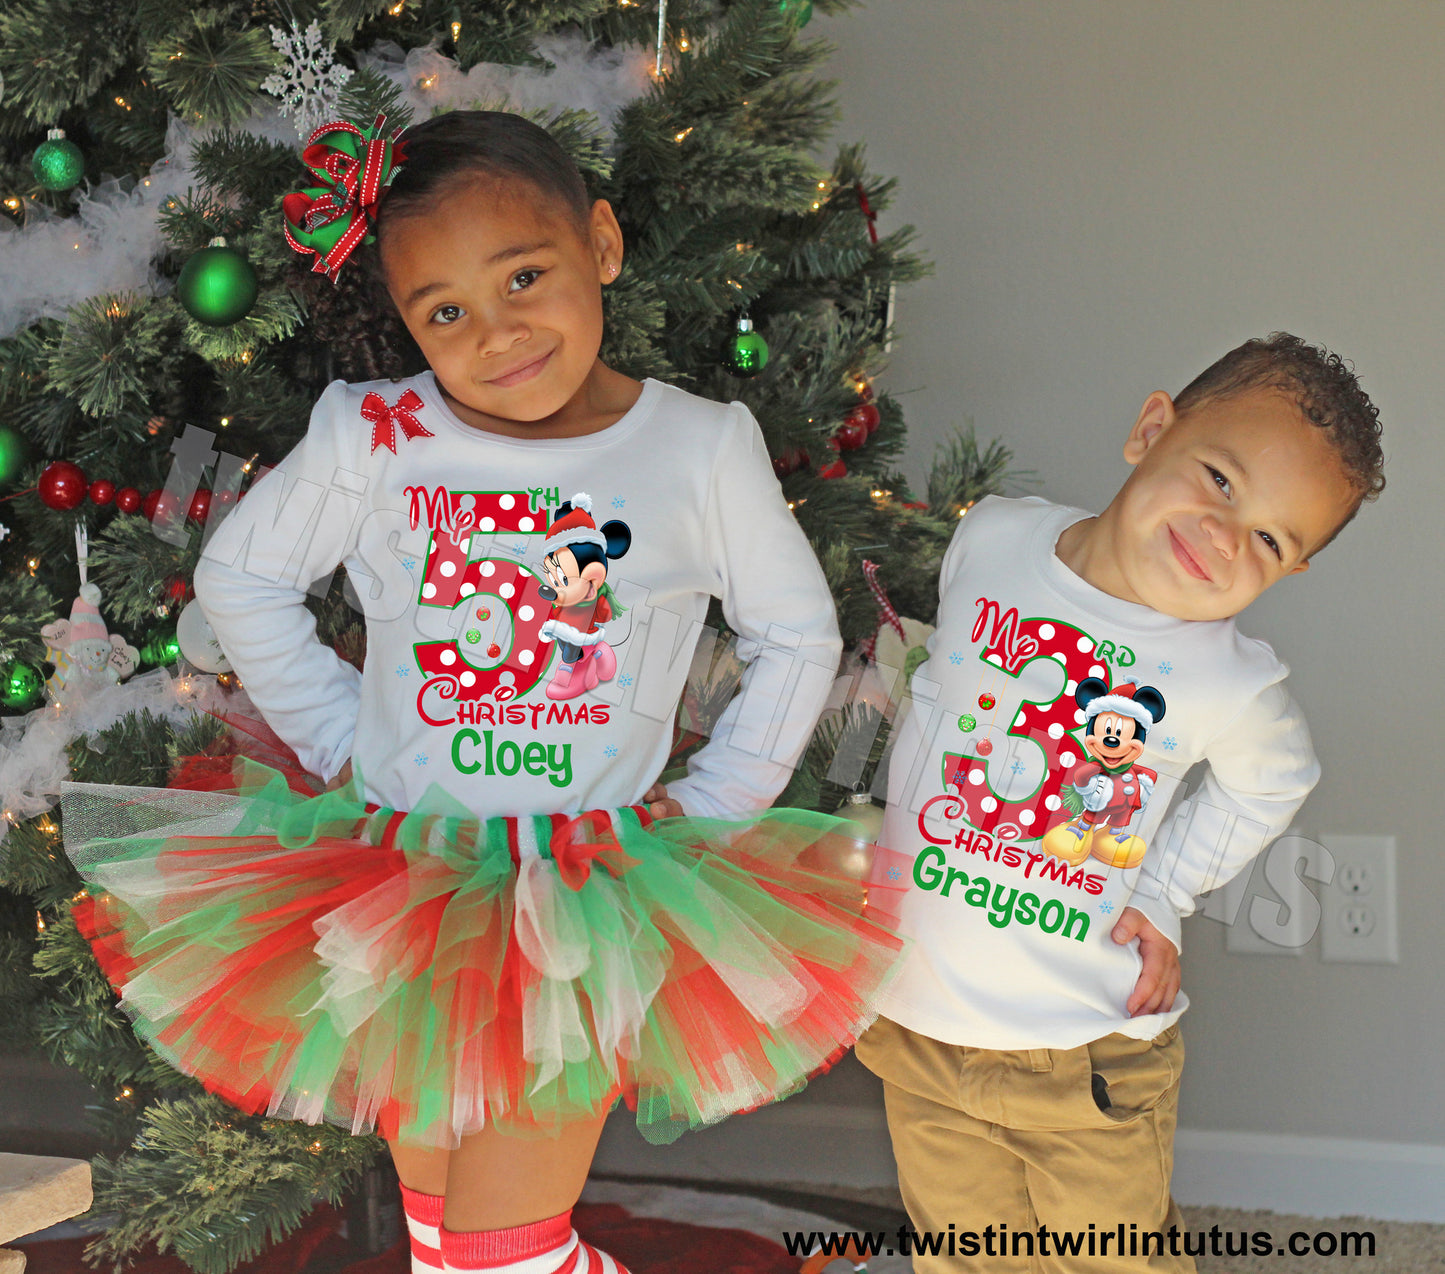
[775,598]
[1261,767]
[294,526]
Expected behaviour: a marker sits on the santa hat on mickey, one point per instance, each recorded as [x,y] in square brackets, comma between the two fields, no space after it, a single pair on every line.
[1121,700]
[575,527]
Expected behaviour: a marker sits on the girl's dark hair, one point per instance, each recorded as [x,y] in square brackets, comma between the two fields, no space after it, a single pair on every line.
[355,317]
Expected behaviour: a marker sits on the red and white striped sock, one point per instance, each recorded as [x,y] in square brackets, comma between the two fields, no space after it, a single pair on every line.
[424,1223]
[543,1247]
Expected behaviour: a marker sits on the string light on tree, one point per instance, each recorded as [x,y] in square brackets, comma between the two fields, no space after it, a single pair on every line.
[801,11]
[57,163]
[217,286]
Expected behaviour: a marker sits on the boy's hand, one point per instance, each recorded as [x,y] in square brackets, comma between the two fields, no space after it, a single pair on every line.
[660,804]
[1159,979]
[342,778]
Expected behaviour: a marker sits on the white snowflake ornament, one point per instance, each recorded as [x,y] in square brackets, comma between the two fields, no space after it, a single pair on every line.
[310,83]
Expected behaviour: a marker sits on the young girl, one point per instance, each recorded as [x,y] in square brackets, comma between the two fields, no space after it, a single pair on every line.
[478,940]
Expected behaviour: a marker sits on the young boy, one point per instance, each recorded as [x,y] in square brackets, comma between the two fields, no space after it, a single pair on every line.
[1081,665]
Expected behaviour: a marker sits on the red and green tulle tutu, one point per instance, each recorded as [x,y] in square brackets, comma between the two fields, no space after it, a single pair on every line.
[430,974]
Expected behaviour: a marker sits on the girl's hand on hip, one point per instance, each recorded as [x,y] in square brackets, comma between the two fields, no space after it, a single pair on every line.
[660,804]
[343,777]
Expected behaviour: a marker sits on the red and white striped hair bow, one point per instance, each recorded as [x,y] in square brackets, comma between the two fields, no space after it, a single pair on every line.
[355,167]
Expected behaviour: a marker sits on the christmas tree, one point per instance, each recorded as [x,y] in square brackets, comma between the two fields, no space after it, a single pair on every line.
[158,349]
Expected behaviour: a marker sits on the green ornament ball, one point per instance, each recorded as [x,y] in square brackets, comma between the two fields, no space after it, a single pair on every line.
[160,649]
[57,163]
[968,722]
[473,636]
[13,450]
[801,10]
[217,286]
[22,687]
[746,353]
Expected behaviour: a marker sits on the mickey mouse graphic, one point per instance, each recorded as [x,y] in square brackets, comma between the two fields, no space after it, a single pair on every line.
[574,560]
[1110,788]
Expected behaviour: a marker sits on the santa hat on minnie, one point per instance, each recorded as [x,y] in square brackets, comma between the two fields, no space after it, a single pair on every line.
[1122,701]
[575,527]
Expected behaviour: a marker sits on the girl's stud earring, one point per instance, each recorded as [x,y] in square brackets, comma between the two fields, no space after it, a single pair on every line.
[612,270]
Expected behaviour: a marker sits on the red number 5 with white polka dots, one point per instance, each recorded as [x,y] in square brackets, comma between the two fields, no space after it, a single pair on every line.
[496,609]
[1011,643]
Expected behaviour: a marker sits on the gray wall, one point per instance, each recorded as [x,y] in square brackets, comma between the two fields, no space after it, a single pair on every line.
[1114,194]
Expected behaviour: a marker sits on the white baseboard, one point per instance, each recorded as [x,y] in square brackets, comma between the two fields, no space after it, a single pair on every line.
[1311,1176]
[819,1145]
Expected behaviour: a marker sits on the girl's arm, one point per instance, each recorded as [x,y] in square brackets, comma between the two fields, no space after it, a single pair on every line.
[291,530]
[775,598]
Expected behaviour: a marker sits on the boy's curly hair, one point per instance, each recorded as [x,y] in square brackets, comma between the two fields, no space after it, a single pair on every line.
[355,317]
[1326,390]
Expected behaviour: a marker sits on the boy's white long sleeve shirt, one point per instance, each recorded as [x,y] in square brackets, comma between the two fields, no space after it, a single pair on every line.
[440,526]
[1011,945]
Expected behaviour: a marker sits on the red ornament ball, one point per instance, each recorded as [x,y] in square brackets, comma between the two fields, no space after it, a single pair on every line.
[150,504]
[493,651]
[127,499]
[793,459]
[864,416]
[200,508]
[63,485]
[851,435]
[835,470]
[984,748]
[102,491]
[986,701]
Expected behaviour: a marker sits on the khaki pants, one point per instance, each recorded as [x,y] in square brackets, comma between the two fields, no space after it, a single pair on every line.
[1019,1139]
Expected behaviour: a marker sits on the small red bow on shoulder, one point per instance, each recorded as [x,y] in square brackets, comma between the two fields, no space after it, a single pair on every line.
[385,417]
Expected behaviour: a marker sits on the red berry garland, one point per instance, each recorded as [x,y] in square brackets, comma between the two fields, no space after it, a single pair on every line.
[864,416]
[63,486]
[851,435]
[793,459]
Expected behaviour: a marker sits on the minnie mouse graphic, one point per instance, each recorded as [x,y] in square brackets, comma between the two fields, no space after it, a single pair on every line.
[574,560]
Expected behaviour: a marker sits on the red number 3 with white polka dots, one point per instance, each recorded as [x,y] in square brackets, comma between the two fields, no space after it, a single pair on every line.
[498,651]
[1010,644]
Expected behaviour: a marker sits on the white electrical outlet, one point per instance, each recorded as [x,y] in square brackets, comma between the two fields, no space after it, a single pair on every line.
[1360,923]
